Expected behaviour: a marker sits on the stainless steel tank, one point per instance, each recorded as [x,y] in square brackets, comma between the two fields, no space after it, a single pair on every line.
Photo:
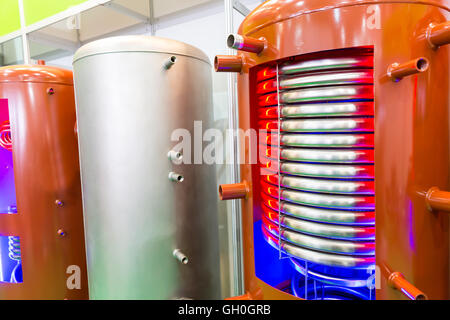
[151,222]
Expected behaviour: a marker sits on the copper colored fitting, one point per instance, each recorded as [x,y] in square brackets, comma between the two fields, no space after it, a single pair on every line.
[243,43]
[233,191]
[61,233]
[437,199]
[398,281]
[228,64]
[398,71]
[439,34]
[41,62]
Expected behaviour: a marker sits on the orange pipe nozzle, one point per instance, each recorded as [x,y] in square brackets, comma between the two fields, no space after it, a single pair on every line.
[228,64]
[243,43]
[397,71]
[233,191]
[398,281]
[439,34]
[438,200]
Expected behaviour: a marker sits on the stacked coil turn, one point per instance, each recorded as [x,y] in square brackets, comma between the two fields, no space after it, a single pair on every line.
[318,173]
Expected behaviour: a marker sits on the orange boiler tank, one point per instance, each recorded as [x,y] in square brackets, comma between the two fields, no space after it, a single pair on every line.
[347,196]
[41,224]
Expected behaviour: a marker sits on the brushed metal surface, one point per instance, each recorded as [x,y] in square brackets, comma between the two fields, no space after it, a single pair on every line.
[327,78]
[323,170]
[324,94]
[327,259]
[345,202]
[324,64]
[135,217]
[46,170]
[321,140]
[323,109]
[337,156]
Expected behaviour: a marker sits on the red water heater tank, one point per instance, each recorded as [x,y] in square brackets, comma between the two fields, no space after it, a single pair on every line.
[347,197]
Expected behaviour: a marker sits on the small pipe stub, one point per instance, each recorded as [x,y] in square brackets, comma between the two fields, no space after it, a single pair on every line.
[59,203]
[175,177]
[233,191]
[41,62]
[170,62]
[180,256]
[228,64]
[398,281]
[397,71]
[175,156]
[438,34]
[438,200]
[243,43]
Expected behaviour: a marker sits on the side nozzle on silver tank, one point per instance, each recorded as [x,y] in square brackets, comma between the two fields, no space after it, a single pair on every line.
[170,62]
[180,256]
[176,177]
[175,156]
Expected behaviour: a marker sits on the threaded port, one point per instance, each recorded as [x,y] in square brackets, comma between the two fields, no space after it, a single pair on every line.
[422,64]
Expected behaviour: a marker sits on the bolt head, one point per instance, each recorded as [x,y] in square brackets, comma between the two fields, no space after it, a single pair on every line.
[59,203]
[61,233]
[50,91]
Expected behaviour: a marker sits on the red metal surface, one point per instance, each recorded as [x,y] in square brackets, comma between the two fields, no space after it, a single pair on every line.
[46,167]
[233,191]
[398,281]
[248,44]
[227,64]
[411,125]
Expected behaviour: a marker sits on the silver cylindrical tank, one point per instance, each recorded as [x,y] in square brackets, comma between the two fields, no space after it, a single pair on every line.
[151,223]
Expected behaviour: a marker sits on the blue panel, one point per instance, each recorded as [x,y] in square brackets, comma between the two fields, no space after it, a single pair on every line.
[10,260]
[269,268]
